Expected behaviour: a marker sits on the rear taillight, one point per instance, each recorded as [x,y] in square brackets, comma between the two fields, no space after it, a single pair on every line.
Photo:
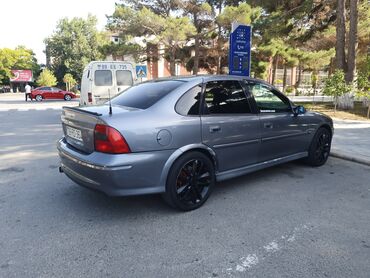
[109,140]
[89,97]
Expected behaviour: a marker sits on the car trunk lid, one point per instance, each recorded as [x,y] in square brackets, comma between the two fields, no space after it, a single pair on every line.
[79,124]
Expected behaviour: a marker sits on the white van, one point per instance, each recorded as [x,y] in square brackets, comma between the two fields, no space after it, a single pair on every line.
[100,78]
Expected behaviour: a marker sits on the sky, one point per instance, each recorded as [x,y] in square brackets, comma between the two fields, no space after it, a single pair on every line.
[29,22]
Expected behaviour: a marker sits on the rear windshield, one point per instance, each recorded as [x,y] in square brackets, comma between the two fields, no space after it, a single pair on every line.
[145,95]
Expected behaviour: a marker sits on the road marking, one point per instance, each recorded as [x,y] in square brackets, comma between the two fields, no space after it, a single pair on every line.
[251,260]
[2,109]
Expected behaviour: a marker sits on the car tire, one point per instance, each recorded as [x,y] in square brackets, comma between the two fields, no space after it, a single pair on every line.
[319,149]
[190,181]
[38,97]
[67,97]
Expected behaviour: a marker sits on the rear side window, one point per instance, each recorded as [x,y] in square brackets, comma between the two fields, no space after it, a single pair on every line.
[225,97]
[124,78]
[103,78]
[189,103]
[146,94]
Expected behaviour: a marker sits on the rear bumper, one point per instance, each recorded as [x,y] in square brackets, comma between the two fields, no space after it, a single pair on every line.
[115,175]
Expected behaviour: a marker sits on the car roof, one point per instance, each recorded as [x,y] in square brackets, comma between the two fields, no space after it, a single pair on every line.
[208,77]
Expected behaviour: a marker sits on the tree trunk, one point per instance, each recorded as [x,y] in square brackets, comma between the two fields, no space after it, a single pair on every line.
[219,40]
[196,55]
[298,83]
[284,78]
[172,62]
[341,36]
[269,76]
[274,68]
[352,42]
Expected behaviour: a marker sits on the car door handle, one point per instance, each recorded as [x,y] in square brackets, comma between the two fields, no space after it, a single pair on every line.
[268,125]
[214,128]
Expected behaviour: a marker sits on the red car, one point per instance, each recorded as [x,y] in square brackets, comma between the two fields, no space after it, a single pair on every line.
[41,93]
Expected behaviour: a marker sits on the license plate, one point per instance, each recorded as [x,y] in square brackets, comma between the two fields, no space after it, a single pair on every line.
[74,133]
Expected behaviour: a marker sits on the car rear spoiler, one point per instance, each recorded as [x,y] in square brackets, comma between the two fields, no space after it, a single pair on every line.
[81,110]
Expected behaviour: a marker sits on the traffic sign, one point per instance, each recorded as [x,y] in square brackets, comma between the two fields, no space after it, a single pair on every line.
[240,51]
[141,71]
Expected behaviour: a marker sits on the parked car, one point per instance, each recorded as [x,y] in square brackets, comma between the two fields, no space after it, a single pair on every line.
[179,136]
[42,93]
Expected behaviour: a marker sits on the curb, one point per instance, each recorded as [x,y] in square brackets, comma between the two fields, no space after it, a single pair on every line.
[350,158]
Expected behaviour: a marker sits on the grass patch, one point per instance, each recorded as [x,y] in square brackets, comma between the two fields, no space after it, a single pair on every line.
[359,112]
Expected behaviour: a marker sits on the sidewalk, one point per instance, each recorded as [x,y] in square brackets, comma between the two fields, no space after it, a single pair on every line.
[351,140]
[16,101]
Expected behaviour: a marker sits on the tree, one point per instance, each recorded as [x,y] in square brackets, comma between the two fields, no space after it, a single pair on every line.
[171,32]
[73,45]
[174,36]
[69,80]
[18,58]
[46,78]
[160,7]
[341,36]
[352,42]
[200,13]
[363,88]
[336,86]
[343,62]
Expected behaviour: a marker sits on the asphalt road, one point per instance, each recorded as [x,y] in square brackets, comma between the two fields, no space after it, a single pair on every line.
[286,221]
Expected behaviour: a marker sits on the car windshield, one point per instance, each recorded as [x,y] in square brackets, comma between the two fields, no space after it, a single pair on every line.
[144,95]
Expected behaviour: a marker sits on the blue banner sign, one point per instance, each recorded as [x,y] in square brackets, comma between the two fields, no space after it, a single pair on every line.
[240,51]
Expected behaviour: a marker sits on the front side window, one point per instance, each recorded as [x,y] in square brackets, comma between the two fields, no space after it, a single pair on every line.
[267,100]
[225,97]
[124,78]
[189,103]
[103,78]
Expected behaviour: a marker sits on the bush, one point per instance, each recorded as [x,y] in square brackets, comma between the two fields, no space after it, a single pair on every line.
[336,86]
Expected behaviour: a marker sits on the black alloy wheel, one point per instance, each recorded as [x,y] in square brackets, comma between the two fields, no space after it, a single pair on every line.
[190,181]
[320,147]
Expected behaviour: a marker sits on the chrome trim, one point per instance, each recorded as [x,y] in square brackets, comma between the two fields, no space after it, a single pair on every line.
[93,166]
[237,143]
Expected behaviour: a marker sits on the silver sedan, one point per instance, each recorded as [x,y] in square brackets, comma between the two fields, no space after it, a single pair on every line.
[178,136]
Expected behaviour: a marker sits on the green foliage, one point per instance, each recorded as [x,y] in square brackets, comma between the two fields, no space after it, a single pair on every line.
[242,13]
[69,80]
[172,32]
[289,90]
[74,43]
[18,58]
[46,78]
[363,85]
[336,86]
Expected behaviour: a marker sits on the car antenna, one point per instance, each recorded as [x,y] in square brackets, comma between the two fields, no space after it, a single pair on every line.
[110,104]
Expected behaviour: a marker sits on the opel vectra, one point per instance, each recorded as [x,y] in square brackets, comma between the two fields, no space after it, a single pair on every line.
[180,136]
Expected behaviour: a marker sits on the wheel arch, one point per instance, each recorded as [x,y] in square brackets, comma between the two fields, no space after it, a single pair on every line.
[328,127]
[180,152]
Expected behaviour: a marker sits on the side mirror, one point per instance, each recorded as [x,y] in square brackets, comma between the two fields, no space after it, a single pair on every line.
[299,110]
